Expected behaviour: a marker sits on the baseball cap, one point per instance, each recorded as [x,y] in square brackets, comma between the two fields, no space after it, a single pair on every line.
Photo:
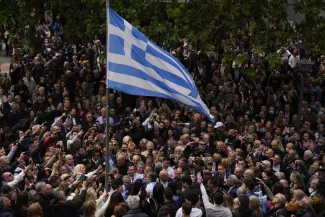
[218,124]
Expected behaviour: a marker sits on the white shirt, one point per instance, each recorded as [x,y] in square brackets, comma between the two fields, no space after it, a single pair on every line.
[12,184]
[100,120]
[195,212]
[171,172]
[150,187]
[276,167]
[293,61]
[165,184]
[31,84]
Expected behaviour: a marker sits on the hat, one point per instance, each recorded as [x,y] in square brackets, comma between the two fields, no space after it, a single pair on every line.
[59,143]
[218,124]
[64,177]
[267,163]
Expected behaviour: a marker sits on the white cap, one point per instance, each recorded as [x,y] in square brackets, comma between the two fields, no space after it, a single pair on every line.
[266,162]
[218,124]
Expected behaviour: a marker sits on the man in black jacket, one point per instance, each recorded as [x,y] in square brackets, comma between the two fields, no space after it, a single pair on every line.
[43,199]
[68,208]
[169,203]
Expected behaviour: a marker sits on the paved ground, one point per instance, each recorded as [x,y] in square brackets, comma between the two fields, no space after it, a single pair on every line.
[4,63]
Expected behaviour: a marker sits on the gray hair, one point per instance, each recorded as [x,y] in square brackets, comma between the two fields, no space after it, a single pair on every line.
[39,186]
[58,195]
[140,163]
[133,201]
[126,177]
[281,198]
[158,166]
[233,179]
[316,181]
[309,153]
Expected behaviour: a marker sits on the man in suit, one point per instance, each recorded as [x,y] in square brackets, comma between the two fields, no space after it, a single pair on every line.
[233,184]
[277,164]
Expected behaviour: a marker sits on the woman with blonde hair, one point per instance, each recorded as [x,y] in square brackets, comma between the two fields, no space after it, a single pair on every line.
[292,206]
[89,208]
[35,210]
[80,170]
[255,206]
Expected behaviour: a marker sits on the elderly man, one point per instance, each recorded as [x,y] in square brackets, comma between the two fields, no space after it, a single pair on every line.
[9,179]
[134,204]
[233,184]
[164,178]
[121,163]
[42,191]
[5,161]
[69,163]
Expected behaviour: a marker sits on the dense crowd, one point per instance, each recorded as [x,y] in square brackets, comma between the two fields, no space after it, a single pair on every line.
[165,159]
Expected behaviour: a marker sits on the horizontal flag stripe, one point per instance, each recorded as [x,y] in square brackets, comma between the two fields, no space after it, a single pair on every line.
[118,59]
[136,73]
[144,84]
[117,81]
[174,62]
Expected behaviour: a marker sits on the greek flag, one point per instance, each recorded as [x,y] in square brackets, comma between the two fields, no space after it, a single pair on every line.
[139,67]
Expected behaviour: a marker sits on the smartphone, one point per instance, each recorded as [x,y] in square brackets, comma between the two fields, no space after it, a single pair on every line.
[82,178]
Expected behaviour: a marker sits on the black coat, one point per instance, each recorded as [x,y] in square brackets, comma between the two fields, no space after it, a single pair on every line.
[45,203]
[135,213]
[172,206]
[305,213]
[69,208]
[277,212]
[6,213]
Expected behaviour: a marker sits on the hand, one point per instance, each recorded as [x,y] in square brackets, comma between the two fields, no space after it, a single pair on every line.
[76,182]
[13,148]
[84,185]
[28,168]
[104,193]
[259,181]
[99,168]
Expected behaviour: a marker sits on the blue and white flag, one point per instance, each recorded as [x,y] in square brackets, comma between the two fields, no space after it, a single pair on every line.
[139,67]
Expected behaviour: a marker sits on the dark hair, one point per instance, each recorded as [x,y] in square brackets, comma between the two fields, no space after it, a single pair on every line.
[164,212]
[137,185]
[218,198]
[277,188]
[168,193]
[153,176]
[192,196]
[186,208]
[116,183]
[116,198]
[186,179]
[175,186]
[22,200]
[249,184]
[158,192]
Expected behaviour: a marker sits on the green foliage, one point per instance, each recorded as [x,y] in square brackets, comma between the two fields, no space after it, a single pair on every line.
[274,61]
[202,23]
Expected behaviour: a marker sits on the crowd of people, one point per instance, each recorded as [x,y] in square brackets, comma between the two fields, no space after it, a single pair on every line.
[165,159]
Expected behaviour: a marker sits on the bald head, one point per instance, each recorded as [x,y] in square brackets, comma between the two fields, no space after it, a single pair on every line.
[163,175]
[69,160]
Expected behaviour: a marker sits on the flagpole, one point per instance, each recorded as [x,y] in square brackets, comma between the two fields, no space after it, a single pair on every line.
[107,166]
